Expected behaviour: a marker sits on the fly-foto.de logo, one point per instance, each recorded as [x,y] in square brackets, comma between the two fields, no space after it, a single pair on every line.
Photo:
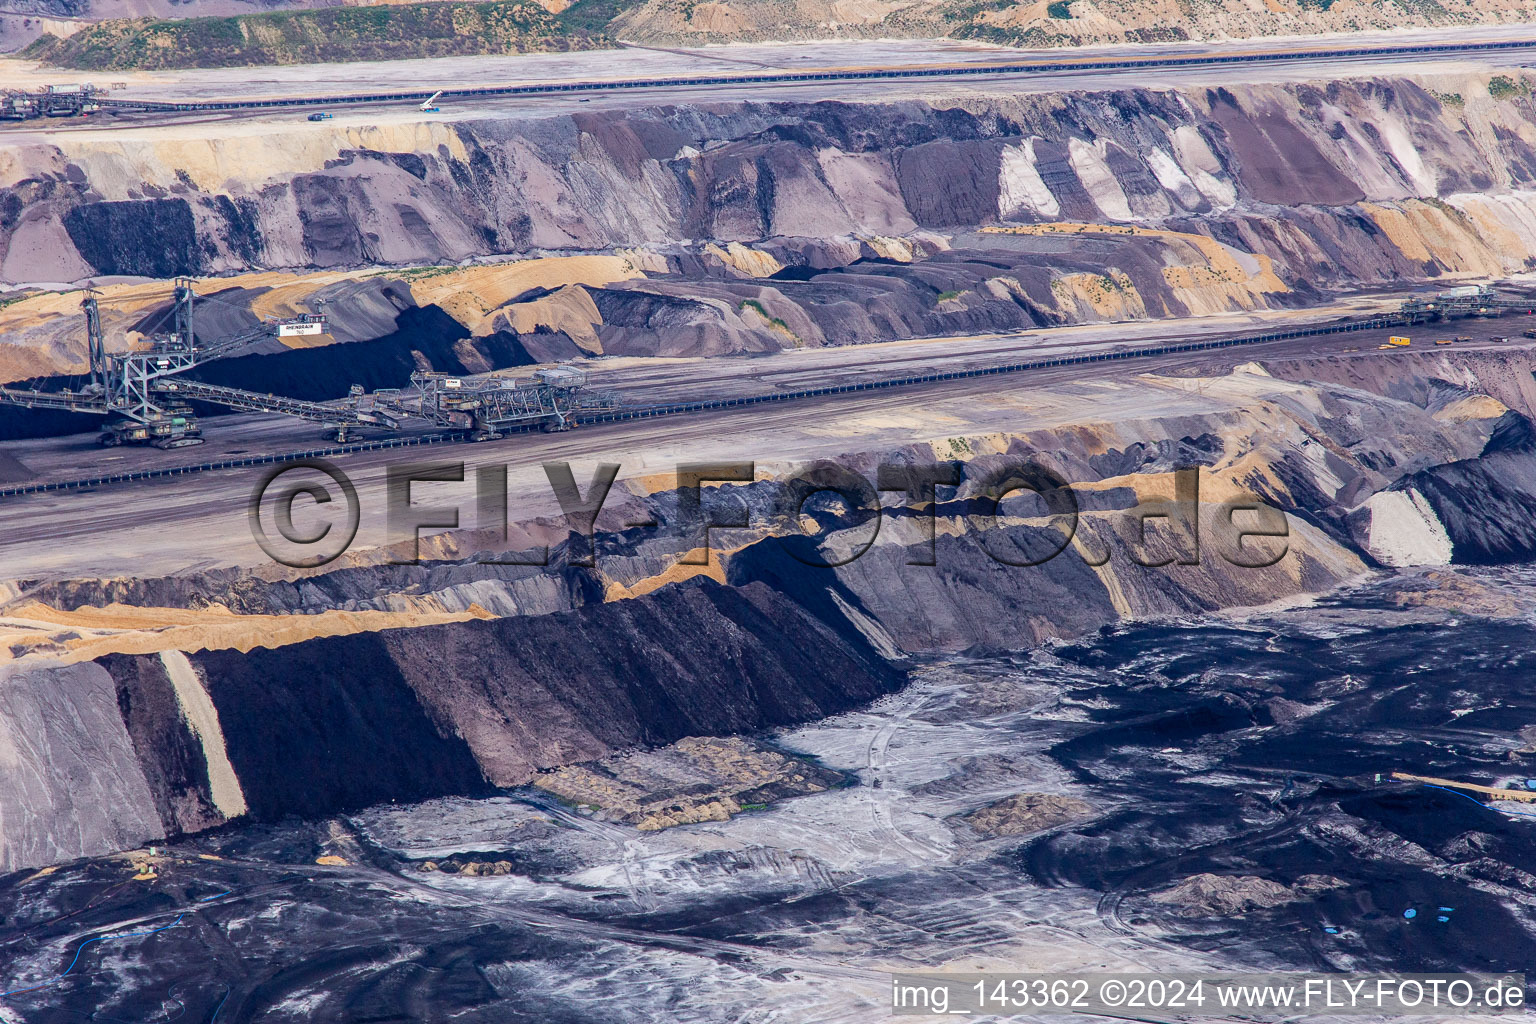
[307,513]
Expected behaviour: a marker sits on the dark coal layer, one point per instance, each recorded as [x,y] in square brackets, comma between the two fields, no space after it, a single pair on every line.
[1255,750]
[1240,749]
[339,723]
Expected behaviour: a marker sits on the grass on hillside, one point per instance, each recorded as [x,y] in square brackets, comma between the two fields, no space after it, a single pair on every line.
[441,29]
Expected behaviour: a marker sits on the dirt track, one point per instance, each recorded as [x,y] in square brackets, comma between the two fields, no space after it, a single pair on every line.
[320,81]
[184,523]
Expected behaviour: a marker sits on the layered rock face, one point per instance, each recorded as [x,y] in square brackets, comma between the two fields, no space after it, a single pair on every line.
[104,755]
[828,224]
[755,227]
[1337,183]
[704,301]
[244,714]
[73,784]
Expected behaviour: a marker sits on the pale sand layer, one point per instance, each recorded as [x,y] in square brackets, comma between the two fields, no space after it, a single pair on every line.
[90,632]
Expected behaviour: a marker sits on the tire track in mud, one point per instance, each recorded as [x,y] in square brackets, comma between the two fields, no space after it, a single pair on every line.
[714,949]
[624,845]
[877,761]
[372,870]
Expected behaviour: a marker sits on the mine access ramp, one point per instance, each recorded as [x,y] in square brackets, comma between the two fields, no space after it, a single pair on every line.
[143,393]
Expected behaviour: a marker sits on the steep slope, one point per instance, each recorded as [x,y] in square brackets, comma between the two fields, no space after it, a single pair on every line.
[103,755]
[391,32]
[757,227]
[222,712]
[1040,22]
[254,39]
[1350,183]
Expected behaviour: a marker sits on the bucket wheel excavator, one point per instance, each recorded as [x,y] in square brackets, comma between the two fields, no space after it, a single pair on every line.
[143,393]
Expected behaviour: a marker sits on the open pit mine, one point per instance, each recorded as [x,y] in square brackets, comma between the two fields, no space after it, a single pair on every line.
[692,558]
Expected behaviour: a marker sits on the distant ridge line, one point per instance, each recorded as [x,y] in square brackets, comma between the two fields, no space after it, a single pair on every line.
[845,75]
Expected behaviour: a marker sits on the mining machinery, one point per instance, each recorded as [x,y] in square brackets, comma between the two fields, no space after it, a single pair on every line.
[144,393]
[1469,300]
[50,101]
[488,407]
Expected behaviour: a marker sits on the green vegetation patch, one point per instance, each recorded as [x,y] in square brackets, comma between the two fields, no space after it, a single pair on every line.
[1034,37]
[1059,9]
[591,16]
[442,29]
[758,306]
[1502,87]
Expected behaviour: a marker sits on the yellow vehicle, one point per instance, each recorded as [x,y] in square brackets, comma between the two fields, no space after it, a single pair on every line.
[1442,341]
[1397,341]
